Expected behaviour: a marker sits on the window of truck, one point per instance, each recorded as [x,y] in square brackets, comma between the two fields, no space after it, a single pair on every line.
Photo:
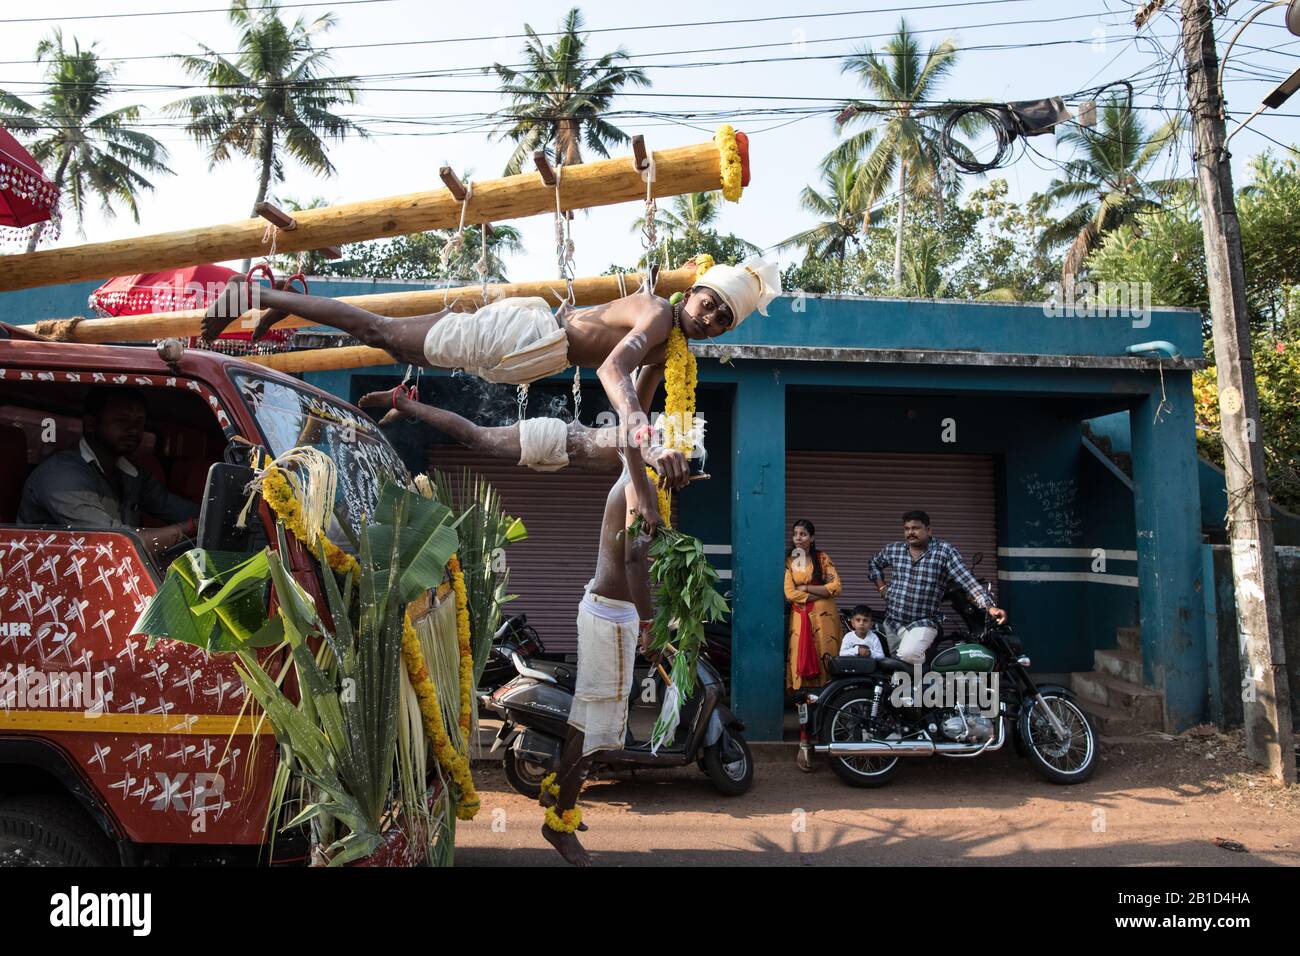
[290,417]
[41,415]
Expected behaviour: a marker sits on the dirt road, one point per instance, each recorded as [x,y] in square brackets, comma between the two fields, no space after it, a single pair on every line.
[1152,802]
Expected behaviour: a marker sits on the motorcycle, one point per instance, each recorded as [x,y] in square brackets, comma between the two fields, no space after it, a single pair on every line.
[534,710]
[870,716]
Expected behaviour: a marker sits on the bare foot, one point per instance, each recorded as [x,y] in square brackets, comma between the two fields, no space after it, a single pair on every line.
[383,399]
[568,846]
[548,800]
[268,319]
[226,308]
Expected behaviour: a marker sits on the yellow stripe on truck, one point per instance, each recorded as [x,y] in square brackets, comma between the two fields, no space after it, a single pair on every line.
[77,721]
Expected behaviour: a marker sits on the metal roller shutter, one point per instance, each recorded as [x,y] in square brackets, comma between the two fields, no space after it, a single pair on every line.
[857,499]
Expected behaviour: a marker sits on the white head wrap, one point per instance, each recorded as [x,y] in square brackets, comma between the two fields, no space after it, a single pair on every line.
[744,288]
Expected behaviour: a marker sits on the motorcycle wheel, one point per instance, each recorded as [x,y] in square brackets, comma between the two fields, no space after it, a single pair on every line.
[733,778]
[849,711]
[1061,761]
[524,775]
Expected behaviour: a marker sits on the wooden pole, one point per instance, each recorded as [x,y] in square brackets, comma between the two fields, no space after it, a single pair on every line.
[1266,699]
[682,169]
[592,290]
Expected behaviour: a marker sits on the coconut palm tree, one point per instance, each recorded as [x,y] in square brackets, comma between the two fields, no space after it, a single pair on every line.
[272,99]
[901,138]
[844,212]
[1107,180]
[93,151]
[557,99]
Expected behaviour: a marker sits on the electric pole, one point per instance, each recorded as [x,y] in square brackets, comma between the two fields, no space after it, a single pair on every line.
[1266,691]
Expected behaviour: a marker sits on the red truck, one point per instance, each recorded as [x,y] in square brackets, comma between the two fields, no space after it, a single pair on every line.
[112,752]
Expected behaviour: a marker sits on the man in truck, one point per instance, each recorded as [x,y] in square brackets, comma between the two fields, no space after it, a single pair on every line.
[95,485]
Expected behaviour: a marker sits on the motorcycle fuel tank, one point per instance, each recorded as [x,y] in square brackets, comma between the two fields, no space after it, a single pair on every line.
[965,658]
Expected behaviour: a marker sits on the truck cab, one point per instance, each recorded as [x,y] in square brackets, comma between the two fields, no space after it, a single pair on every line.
[112,751]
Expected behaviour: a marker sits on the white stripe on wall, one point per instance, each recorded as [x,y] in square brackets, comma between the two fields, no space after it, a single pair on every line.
[725,575]
[717,549]
[1123,580]
[1113,555]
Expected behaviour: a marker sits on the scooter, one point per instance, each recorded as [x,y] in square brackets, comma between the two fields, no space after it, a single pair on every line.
[534,710]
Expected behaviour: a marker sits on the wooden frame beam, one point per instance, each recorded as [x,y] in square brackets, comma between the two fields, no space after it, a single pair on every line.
[590,290]
[682,169]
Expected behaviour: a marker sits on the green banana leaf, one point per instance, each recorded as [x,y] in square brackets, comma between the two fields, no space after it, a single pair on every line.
[215,600]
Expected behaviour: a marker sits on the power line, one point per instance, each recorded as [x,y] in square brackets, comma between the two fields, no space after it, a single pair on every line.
[622,29]
[177,13]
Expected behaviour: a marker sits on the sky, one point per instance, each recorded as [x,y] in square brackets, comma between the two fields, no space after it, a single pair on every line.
[1012,50]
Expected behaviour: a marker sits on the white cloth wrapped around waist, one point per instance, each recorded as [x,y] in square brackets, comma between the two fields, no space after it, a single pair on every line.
[607,638]
[514,341]
[543,443]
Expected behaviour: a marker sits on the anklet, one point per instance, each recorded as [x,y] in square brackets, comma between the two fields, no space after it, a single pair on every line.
[566,823]
[549,786]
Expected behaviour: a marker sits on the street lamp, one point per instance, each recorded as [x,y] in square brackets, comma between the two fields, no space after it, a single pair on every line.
[1284,89]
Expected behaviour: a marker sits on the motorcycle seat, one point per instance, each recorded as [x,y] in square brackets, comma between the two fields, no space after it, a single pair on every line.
[850,666]
[564,674]
[891,664]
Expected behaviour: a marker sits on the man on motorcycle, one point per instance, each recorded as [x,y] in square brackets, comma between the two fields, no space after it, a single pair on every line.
[921,569]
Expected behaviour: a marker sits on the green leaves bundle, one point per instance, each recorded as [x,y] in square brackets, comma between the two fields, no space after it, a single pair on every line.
[687,598]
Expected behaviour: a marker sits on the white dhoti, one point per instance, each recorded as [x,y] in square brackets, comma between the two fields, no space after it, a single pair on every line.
[607,638]
[514,341]
[543,443]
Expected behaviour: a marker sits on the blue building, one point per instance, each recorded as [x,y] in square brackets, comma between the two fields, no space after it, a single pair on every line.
[1046,443]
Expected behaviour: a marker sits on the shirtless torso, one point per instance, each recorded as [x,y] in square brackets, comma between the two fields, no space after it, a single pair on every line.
[596,331]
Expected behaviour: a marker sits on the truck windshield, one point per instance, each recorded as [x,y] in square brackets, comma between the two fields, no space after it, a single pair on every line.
[290,417]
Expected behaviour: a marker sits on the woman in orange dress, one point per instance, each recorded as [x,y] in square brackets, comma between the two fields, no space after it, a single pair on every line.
[811,584]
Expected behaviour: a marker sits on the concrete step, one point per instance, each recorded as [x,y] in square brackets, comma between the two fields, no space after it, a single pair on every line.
[1119,662]
[1130,638]
[1143,705]
[1111,722]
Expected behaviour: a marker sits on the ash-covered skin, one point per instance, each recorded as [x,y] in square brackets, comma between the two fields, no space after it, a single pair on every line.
[622,574]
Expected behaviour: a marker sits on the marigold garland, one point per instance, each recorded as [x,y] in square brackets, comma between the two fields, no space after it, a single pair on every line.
[732,173]
[566,823]
[278,493]
[456,766]
[681,375]
[464,640]
[549,786]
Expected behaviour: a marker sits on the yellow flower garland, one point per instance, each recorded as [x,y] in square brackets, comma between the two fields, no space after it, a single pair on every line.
[681,375]
[729,158]
[452,761]
[549,786]
[567,823]
[463,639]
[278,493]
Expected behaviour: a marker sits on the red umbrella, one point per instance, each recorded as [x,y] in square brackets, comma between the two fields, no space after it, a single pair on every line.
[177,290]
[172,290]
[27,197]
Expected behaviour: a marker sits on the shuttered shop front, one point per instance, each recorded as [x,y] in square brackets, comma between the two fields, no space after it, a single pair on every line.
[562,511]
[857,499]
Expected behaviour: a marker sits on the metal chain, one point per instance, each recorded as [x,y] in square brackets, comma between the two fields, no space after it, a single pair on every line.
[563,240]
[455,243]
[650,228]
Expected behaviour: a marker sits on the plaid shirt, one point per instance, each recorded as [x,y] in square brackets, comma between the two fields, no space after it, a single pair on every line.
[917,585]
